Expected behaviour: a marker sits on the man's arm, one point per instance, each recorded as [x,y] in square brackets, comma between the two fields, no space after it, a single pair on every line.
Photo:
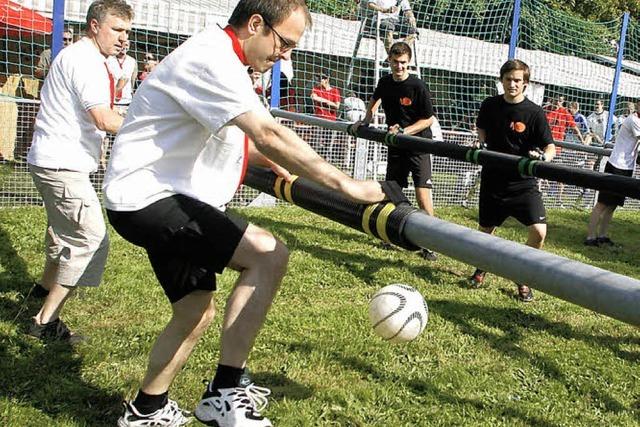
[282,146]
[482,137]
[106,119]
[372,107]
[317,98]
[373,6]
[414,128]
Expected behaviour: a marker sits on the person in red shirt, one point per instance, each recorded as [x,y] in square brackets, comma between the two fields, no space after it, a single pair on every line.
[559,121]
[326,99]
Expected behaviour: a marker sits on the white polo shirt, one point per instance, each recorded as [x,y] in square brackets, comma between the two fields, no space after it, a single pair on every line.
[123,68]
[176,138]
[625,150]
[65,136]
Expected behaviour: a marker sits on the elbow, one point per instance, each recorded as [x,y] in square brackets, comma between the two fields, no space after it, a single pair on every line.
[266,138]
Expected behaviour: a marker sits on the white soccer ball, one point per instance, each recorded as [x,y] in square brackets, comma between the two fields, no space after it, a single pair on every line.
[398,313]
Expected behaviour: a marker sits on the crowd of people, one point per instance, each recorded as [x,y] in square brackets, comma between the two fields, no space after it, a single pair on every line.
[181,150]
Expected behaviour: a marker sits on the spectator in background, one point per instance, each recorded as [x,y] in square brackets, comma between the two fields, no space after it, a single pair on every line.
[598,122]
[124,70]
[326,99]
[256,81]
[581,122]
[150,62]
[70,126]
[354,107]
[628,109]
[621,162]
[560,120]
[390,19]
[44,61]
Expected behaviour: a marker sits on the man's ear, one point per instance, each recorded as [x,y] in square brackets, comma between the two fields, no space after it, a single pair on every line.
[254,23]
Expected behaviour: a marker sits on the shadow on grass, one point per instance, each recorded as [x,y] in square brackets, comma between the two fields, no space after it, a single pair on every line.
[363,265]
[47,378]
[281,386]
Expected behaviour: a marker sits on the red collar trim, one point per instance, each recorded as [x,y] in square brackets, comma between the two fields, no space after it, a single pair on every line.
[236,44]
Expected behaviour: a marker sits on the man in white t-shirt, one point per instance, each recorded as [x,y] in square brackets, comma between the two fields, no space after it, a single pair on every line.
[181,154]
[390,18]
[354,107]
[621,162]
[74,115]
[124,69]
[598,122]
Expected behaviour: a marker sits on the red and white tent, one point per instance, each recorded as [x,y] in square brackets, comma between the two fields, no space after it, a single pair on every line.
[19,21]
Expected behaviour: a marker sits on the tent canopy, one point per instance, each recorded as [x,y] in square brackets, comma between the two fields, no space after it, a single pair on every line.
[18,21]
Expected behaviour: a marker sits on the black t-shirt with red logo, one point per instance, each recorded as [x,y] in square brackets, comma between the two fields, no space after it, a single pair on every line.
[405,102]
[512,129]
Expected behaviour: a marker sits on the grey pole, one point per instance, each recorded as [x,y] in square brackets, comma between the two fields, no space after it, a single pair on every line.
[599,290]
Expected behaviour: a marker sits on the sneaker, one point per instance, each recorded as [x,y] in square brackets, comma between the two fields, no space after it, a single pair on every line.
[477,278]
[234,407]
[605,241]
[591,242]
[169,415]
[428,254]
[55,330]
[525,294]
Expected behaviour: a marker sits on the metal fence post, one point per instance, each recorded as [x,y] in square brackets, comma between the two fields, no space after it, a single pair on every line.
[515,28]
[58,27]
[616,77]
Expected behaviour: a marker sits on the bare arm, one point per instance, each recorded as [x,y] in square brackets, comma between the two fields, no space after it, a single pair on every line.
[550,152]
[482,137]
[317,98]
[282,146]
[377,8]
[372,107]
[414,128]
[106,119]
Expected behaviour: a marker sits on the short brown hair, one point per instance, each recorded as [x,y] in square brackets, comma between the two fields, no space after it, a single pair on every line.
[515,65]
[399,49]
[99,10]
[272,11]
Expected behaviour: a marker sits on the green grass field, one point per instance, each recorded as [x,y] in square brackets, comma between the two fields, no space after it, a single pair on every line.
[484,360]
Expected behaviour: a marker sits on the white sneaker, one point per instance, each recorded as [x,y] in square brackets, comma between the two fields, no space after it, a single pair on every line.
[234,407]
[169,415]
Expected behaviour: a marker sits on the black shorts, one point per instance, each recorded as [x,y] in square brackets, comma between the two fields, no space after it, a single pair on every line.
[187,241]
[400,164]
[525,206]
[612,199]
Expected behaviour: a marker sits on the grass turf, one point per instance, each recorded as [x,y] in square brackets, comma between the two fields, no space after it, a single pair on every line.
[484,360]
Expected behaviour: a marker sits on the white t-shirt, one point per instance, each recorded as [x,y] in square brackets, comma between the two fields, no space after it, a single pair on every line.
[123,69]
[386,4]
[625,150]
[176,138]
[65,135]
[354,108]
[598,122]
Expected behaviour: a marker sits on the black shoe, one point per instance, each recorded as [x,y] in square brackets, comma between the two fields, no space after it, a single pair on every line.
[592,242]
[525,294]
[605,241]
[477,278]
[427,254]
[55,330]
[38,291]
[387,246]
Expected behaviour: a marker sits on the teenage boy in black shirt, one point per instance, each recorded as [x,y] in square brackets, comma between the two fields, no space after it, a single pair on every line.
[407,106]
[512,124]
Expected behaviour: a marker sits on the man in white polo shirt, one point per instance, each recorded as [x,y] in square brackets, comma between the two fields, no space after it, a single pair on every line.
[179,158]
[621,162]
[74,115]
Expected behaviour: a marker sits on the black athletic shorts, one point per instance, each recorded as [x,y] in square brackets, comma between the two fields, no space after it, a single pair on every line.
[525,206]
[400,164]
[612,199]
[187,241]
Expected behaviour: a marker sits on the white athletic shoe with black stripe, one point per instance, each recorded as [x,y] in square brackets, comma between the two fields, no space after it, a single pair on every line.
[170,415]
[234,407]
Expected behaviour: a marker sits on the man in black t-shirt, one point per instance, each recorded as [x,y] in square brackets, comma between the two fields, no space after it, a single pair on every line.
[407,106]
[512,124]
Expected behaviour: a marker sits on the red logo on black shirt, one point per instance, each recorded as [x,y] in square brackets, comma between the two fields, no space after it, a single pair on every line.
[405,101]
[518,127]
